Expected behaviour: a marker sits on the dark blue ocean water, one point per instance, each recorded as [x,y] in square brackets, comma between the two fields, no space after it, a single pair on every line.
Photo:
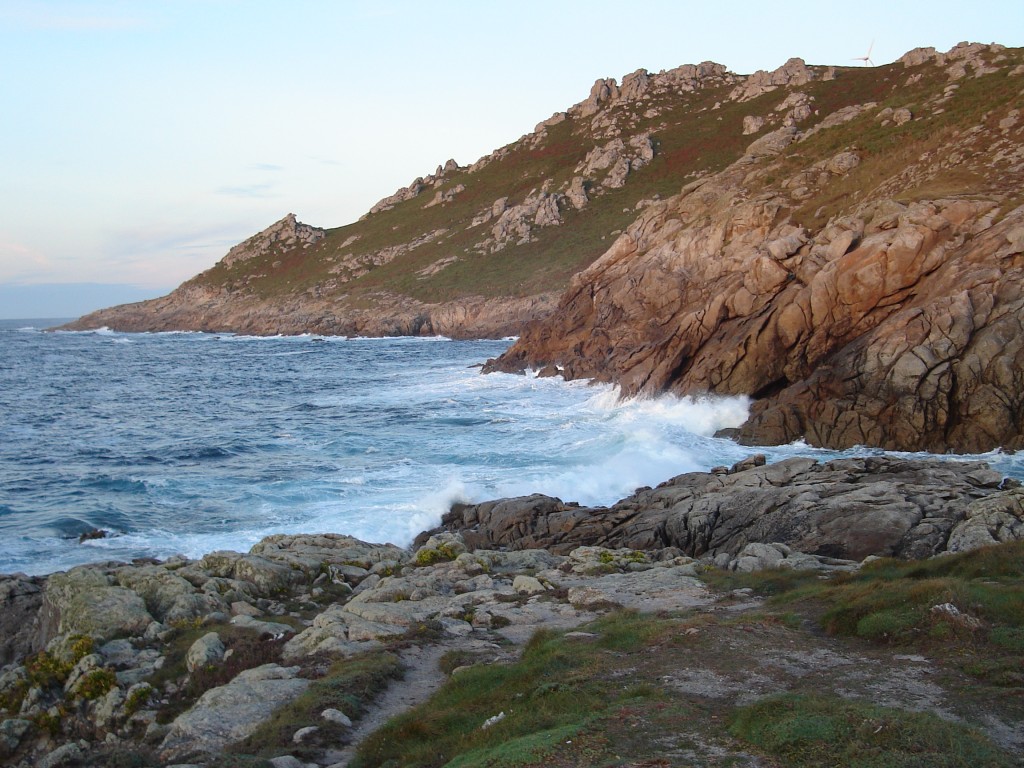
[187,443]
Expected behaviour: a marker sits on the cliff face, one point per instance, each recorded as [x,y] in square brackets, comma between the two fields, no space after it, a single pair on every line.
[475,250]
[846,248]
[860,276]
[206,308]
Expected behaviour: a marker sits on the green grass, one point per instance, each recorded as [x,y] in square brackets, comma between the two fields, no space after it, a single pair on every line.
[348,685]
[827,730]
[892,601]
[553,695]
[765,583]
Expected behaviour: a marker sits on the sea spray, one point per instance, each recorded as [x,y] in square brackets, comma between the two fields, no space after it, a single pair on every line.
[187,443]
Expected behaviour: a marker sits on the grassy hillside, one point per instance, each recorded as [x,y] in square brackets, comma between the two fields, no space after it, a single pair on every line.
[436,254]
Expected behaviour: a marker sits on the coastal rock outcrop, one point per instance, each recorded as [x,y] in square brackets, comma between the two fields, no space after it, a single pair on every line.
[286,233]
[207,650]
[213,310]
[845,509]
[881,315]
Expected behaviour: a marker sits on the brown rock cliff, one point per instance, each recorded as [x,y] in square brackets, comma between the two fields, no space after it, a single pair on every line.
[896,321]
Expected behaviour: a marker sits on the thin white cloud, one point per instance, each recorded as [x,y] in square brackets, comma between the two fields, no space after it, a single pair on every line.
[323,160]
[141,242]
[258,190]
[22,263]
[51,16]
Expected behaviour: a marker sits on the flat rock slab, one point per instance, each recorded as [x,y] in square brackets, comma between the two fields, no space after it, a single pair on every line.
[659,589]
[231,712]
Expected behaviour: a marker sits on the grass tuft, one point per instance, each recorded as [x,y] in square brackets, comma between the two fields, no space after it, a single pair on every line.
[805,730]
[552,694]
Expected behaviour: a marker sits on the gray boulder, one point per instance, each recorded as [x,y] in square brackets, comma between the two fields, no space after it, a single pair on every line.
[85,601]
[992,520]
[233,711]
[11,733]
[69,754]
[20,599]
[208,649]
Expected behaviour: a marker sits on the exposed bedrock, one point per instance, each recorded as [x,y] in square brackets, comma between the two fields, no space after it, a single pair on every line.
[900,326]
[847,509]
[200,308]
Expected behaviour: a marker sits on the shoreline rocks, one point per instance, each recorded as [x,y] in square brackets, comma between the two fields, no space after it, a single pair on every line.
[858,298]
[499,569]
[847,509]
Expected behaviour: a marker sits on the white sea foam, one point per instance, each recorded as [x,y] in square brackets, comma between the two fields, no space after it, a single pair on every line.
[370,438]
[701,415]
[429,509]
[611,478]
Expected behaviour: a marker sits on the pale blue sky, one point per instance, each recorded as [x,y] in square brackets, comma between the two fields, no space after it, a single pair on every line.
[140,140]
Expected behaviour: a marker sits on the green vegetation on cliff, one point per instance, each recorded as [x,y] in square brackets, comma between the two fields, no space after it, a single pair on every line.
[523,220]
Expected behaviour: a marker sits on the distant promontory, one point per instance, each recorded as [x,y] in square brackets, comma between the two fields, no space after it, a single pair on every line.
[846,245]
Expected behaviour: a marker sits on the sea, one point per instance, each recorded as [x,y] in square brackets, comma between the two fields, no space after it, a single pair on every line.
[186,443]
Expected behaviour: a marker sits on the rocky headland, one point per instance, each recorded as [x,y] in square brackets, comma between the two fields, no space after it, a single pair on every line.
[178,661]
[842,244]
[891,319]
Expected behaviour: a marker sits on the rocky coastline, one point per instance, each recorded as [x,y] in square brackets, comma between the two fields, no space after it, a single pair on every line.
[844,247]
[852,258]
[106,657]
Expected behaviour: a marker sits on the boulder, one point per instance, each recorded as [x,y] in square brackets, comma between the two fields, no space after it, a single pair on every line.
[168,596]
[337,717]
[528,585]
[68,754]
[991,520]
[85,601]
[208,649]
[21,598]
[577,193]
[231,712]
[752,124]
[11,733]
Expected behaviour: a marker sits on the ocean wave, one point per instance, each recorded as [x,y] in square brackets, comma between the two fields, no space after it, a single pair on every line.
[699,415]
[185,446]
[101,330]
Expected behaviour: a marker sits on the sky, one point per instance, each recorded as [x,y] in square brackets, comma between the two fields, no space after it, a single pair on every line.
[141,139]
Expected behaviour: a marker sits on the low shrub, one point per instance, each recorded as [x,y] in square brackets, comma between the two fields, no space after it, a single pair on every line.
[348,685]
[828,730]
[552,693]
[95,684]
